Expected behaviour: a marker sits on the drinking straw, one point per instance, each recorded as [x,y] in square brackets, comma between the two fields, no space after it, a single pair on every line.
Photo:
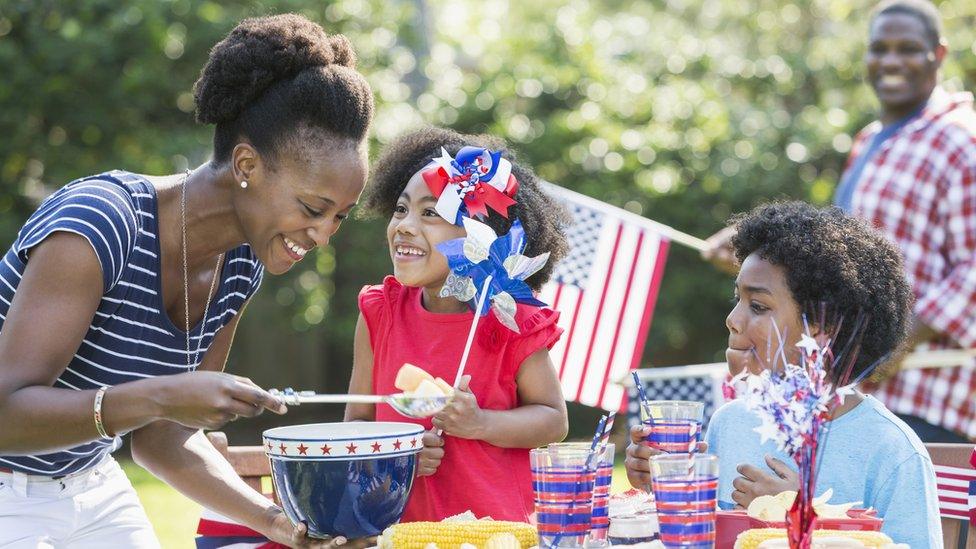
[645,404]
[597,437]
[605,436]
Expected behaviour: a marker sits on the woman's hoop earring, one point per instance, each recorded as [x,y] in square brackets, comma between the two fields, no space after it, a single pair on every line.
[244,183]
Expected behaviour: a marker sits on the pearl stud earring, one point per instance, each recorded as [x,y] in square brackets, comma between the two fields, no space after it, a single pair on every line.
[244,184]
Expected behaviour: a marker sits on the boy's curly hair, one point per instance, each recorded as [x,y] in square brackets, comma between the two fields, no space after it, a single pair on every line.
[541,216]
[837,260]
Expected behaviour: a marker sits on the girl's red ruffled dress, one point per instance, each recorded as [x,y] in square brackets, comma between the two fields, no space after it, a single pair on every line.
[474,475]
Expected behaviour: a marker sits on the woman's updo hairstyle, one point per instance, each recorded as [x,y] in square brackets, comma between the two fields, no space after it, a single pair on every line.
[278,78]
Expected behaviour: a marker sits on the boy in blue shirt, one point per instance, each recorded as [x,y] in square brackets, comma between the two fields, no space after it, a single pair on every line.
[795,257]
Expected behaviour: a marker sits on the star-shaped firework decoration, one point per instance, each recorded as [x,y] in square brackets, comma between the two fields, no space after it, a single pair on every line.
[794,402]
[483,254]
[470,183]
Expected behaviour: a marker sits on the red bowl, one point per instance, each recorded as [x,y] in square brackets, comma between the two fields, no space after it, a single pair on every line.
[729,524]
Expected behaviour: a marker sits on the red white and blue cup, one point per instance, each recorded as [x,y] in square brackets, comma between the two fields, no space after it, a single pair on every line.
[685,488]
[603,462]
[562,485]
[675,425]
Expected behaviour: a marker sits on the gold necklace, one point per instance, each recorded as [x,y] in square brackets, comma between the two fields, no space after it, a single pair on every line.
[191,365]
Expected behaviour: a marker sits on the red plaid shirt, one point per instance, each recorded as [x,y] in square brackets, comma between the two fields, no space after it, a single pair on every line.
[920,190]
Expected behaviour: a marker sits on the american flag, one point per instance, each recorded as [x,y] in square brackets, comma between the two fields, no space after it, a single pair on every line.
[957,492]
[604,289]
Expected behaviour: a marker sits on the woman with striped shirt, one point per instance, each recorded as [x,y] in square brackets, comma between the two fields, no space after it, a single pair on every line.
[120,296]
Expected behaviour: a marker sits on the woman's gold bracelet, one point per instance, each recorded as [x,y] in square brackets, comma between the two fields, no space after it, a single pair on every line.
[99,426]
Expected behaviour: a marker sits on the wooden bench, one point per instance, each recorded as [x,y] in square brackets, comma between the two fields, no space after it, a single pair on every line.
[250,462]
[954,524]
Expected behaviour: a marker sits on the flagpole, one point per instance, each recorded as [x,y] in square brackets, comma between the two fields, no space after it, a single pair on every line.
[919,360]
[672,234]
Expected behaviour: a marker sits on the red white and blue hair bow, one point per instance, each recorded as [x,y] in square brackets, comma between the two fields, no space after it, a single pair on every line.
[470,183]
[481,254]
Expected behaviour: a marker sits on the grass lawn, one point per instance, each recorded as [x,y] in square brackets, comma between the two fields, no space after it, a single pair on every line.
[175,517]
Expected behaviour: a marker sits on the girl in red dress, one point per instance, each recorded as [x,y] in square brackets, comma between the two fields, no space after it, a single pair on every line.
[510,400]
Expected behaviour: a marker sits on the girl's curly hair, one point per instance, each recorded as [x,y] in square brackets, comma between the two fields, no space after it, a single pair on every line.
[541,216]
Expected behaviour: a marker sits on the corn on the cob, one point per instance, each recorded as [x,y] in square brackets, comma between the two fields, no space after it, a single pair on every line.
[750,539]
[503,540]
[450,535]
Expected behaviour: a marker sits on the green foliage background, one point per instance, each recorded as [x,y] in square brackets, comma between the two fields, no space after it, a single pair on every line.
[682,110]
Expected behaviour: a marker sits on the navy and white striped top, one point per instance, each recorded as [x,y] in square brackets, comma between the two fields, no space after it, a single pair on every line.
[130,337]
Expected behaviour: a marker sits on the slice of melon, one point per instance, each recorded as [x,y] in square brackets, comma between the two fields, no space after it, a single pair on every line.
[427,388]
[409,378]
[445,386]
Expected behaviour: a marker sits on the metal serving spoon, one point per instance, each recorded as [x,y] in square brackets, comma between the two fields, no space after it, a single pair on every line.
[407,405]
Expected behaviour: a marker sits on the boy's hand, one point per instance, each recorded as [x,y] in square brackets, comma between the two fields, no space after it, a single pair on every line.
[431,455]
[462,417]
[754,482]
[638,452]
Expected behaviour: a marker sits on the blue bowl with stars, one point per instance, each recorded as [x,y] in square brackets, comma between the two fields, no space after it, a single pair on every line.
[344,479]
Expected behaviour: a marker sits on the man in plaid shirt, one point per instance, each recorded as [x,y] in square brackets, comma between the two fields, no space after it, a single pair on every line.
[912,174]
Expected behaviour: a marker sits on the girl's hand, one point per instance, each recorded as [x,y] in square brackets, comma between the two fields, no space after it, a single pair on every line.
[638,453]
[431,455]
[462,417]
[754,482]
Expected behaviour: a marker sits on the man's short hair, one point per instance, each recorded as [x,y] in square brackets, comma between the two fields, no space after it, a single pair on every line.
[924,10]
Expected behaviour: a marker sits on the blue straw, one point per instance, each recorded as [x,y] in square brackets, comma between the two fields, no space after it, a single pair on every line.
[645,404]
[597,437]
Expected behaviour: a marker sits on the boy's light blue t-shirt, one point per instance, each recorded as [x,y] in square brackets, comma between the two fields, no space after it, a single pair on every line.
[868,455]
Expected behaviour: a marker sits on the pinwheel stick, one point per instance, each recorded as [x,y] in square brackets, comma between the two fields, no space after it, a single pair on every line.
[474,327]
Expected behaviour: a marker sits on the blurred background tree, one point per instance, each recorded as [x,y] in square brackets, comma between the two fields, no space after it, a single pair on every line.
[684,111]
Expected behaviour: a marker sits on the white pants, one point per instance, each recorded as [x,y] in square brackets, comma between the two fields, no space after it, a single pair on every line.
[95,508]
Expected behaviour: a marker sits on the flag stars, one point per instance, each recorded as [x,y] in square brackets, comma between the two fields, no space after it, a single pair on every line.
[351,448]
[302,449]
[270,446]
[326,450]
[376,447]
[284,450]
[397,444]
[413,443]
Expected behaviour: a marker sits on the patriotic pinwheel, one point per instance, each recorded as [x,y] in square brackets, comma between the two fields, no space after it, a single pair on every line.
[483,257]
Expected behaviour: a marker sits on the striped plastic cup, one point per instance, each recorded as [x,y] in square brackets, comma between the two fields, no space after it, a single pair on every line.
[675,425]
[600,519]
[563,490]
[685,489]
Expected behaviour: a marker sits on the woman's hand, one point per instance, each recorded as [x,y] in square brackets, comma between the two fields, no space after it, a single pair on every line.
[462,417]
[284,532]
[431,455]
[754,482]
[208,400]
[638,453]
